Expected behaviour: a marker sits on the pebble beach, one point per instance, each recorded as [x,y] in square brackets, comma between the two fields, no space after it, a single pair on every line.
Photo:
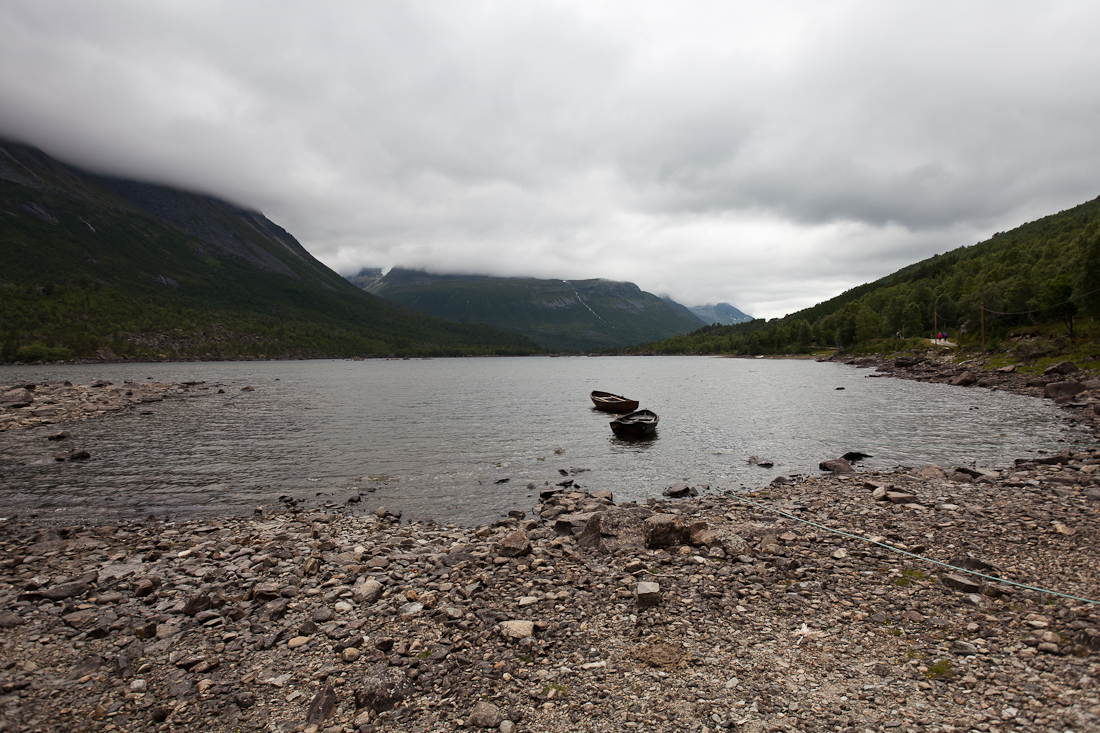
[937,599]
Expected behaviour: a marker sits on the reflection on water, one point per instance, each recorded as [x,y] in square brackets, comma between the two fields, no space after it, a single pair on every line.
[634,445]
[438,437]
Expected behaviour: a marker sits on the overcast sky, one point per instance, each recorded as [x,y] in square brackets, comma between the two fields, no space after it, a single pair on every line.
[768,155]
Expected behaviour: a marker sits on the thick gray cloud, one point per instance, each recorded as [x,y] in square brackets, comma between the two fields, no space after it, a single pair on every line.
[771,157]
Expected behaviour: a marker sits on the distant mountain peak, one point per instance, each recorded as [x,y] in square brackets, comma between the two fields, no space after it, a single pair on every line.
[722,313]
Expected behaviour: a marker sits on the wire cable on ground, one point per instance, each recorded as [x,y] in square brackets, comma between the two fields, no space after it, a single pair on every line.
[904,552]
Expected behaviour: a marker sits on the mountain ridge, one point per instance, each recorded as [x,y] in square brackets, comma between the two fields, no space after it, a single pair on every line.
[722,313]
[560,315]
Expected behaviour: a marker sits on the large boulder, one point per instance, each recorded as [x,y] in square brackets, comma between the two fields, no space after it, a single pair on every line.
[570,524]
[931,471]
[836,465]
[1062,367]
[17,398]
[515,544]
[382,688]
[964,380]
[484,715]
[1063,390]
[617,528]
[666,530]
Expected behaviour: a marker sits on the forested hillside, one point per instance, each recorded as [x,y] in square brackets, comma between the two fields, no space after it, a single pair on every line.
[1043,272]
[92,266]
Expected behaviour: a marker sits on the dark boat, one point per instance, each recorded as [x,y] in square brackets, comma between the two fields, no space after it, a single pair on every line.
[613,402]
[636,424]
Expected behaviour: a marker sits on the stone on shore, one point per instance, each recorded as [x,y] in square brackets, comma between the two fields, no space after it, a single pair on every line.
[836,465]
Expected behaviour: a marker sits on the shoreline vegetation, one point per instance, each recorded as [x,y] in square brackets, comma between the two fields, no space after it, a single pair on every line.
[790,608]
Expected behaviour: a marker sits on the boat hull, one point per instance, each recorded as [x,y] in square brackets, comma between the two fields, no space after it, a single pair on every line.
[635,425]
[612,402]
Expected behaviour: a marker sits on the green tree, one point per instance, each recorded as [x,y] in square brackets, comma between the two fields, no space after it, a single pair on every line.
[1057,300]
[911,322]
[847,326]
[868,324]
[1087,280]
[803,334]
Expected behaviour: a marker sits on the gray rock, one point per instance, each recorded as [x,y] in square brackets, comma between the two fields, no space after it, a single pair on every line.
[1062,367]
[964,380]
[196,604]
[567,525]
[962,583]
[322,706]
[484,715]
[648,594]
[81,619]
[382,688]
[368,592]
[411,608]
[679,491]
[931,471]
[666,530]
[517,629]
[515,545]
[836,465]
[9,620]
[614,529]
[1063,390]
[65,590]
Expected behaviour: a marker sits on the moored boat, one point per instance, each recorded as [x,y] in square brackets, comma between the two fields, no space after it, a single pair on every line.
[636,424]
[613,402]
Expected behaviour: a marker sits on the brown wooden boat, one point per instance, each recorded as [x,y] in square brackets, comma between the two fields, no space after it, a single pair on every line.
[612,402]
[636,424]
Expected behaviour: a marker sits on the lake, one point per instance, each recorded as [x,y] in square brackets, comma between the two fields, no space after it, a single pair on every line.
[466,440]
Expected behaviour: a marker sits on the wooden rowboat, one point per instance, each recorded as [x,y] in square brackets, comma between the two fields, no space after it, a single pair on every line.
[613,402]
[636,424]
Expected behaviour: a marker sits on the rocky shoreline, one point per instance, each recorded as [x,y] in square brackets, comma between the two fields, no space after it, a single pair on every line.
[49,403]
[1077,391]
[790,608]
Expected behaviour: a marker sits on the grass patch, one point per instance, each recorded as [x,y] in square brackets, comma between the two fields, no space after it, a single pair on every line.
[941,669]
[558,689]
[908,577]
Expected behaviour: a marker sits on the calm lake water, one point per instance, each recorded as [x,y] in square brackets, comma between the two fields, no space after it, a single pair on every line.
[461,440]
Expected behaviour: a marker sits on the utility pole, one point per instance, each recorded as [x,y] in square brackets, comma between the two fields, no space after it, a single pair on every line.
[936,324]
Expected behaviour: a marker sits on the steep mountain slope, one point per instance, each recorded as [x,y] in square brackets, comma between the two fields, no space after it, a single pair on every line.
[97,265]
[366,277]
[561,315]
